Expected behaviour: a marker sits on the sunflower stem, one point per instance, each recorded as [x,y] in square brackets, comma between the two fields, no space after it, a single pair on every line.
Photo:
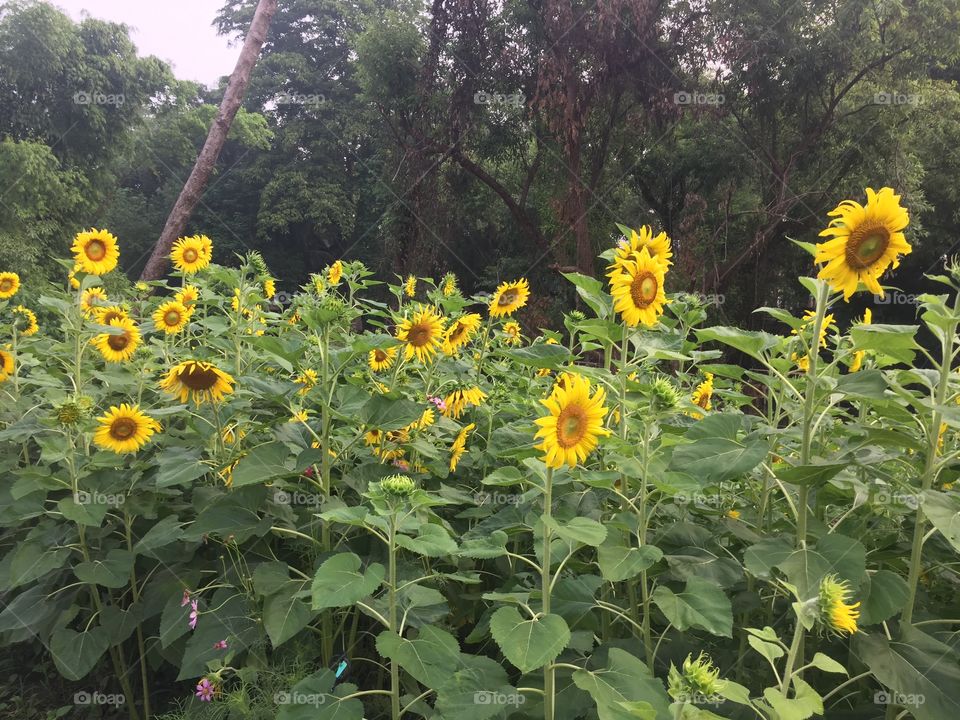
[545,585]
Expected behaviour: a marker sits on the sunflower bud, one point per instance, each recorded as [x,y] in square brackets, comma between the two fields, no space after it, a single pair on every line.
[696,679]
[836,615]
[577,315]
[664,395]
[398,485]
[69,413]
[258,264]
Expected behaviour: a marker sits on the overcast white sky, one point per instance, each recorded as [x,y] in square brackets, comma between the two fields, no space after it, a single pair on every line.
[178,31]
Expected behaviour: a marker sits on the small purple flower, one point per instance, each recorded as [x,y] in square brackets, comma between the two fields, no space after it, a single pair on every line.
[220,645]
[205,690]
[186,598]
[194,614]
[438,401]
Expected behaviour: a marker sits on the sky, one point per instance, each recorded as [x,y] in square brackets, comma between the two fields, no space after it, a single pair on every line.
[178,31]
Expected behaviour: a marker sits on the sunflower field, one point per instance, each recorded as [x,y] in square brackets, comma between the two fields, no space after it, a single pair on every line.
[375,500]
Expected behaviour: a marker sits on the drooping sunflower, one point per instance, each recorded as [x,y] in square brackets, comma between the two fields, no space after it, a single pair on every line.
[658,246]
[171,317]
[864,241]
[802,361]
[307,380]
[459,446]
[836,615]
[460,399]
[191,254]
[449,285]
[233,434]
[118,346]
[104,315]
[427,418]
[570,431]
[6,365]
[410,286]
[858,355]
[422,332]
[95,251]
[809,317]
[335,273]
[637,289]
[703,394]
[509,297]
[9,285]
[511,331]
[206,247]
[72,278]
[269,288]
[29,321]
[124,429]
[203,381]
[188,296]
[460,332]
[381,358]
[92,299]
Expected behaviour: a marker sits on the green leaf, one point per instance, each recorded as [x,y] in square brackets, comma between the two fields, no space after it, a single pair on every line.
[485,547]
[540,355]
[263,463]
[619,563]
[316,698]
[577,530]
[769,650]
[179,466]
[864,384]
[428,658]
[386,413]
[76,653]
[804,704]
[165,532]
[813,475]
[432,541]
[895,341]
[625,679]
[470,688]
[834,554]
[882,595]
[760,558]
[754,344]
[719,459]
[529,643]
[702,604]
[112,572]
[284,616]
[828,664]
[338,582]
[591,291]
[943,510]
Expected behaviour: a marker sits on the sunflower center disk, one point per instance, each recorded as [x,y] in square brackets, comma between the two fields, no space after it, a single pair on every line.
[867,246]
[172,318]
[643,289]
[379,355]
[571,426]
[198,378]
[419,335]
[190,255]
[508,298]
[118,342]
[123,429]
[96,250]
[6,285]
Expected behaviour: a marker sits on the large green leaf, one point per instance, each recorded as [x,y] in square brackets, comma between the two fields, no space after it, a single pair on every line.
[619,688]
[285,615]
[471,688]
[943,510]
[882,596]
[387,413]
[716,459]
[179,466]
[834,554]
[76,653]
[529,643]
[264,462]
[428,658]
[895,341]
[540,355]
[619,563]
[316,698]
[112,572]
[754,344]
[339,582]
[591,291]
[432,541]
[701,605]
[577,530]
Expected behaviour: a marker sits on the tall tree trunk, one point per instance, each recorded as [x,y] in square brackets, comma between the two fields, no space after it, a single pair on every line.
[233,97]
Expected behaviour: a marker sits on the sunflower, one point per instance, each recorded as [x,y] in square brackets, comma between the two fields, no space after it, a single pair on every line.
[188,296]
[104,315]
[9,284]
[124,429]
[459,446]
[509,297]
[512,332]
[92,299]
[269,288]
[6,365]
[226,473]
[335,272]
[307,380]
[95,251]
[703,394]
[865,241]
[233,434]
[72,278]
[191,254]
[802,361]
[422,332]
[427,418]
[201,380]
[456,402]
[637,289]
[460,332]
[449,285]
[118,346]
[318,284]
[171,317]
[381,358]
[31,326]
[410,286]
[809,317]
[570,431]
[657,245]
[858,356]
[836,615]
